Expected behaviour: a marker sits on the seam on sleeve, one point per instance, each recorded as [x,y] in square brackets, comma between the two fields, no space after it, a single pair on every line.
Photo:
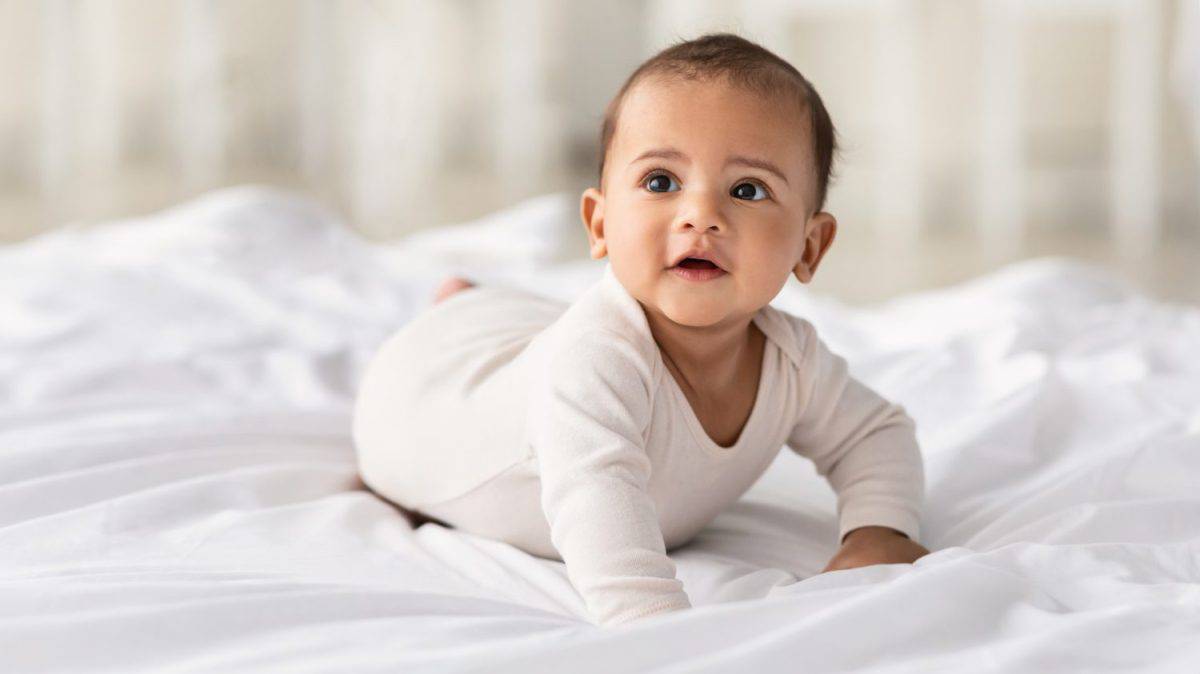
[679,603]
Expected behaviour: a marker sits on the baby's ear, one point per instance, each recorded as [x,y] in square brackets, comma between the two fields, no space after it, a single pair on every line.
[591,209]
[819,233]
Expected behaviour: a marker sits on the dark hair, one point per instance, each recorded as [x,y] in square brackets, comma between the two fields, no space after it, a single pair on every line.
[743,63]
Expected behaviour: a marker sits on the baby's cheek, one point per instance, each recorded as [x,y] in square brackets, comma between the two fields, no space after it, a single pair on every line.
[765,275]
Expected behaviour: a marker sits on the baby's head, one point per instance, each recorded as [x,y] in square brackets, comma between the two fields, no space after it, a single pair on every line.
[714,145]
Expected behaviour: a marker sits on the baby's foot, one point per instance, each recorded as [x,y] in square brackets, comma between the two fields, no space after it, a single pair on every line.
[449,286]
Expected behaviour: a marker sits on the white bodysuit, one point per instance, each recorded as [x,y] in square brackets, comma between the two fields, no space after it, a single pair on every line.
[558,428]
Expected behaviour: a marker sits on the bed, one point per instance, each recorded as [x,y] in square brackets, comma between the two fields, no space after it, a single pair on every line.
[178,489]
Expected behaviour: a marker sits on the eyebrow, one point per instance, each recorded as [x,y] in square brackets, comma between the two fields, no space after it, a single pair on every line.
[735,160]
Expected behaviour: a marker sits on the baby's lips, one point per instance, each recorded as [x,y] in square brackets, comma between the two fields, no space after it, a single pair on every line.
[701,254]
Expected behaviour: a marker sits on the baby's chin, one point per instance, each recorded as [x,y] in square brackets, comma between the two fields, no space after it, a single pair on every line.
[697,312]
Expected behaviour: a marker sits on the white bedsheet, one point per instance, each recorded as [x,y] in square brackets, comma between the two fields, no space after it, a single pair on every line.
[178,490]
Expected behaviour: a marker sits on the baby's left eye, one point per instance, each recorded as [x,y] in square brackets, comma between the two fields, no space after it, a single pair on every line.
[747,191]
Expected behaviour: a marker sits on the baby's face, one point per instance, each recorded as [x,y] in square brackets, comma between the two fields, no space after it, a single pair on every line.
[702,164]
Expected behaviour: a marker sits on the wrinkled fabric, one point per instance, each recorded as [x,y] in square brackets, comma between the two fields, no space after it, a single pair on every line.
[178,488]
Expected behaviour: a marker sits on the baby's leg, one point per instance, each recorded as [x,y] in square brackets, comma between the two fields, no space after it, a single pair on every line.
[449,286]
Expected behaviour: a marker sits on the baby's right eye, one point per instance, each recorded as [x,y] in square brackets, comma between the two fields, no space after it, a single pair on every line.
[659,182]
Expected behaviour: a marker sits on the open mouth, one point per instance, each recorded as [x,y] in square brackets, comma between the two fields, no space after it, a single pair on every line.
[695,269]
[696,263]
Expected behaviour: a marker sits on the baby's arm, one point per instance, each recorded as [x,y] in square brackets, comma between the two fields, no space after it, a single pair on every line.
[864,445]
[586,420]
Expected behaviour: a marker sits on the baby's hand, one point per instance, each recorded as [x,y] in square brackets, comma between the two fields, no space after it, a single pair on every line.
[865,546]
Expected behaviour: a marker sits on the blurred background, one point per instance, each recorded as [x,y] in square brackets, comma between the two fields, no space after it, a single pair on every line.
[974,132]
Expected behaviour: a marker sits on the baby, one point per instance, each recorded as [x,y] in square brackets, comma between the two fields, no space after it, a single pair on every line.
[610,430]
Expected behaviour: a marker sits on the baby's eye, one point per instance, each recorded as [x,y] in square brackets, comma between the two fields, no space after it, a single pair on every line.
[660,182]
[747,191]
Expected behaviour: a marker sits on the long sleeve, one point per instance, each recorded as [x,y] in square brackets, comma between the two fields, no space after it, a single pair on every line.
[587,419]
[863,445]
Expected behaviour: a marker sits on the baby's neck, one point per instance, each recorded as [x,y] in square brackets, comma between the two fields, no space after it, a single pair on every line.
[708,357]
